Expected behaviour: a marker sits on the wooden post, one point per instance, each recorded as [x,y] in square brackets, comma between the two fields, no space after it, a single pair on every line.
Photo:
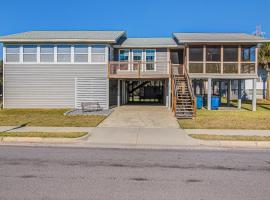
[239,59]
[204,59]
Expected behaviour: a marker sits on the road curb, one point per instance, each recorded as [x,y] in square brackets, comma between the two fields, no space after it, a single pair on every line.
[236,144]
[43,140]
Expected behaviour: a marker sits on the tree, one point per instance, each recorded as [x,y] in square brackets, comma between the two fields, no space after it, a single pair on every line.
[264,60]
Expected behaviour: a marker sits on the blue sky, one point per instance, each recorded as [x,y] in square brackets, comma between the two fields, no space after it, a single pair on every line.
[140,18]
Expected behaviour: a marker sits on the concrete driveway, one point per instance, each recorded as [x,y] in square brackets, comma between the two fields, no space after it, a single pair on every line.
[140,126]
[141,117]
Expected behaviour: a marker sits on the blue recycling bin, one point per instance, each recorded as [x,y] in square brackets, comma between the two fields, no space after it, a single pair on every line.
[199,102]
[215,102]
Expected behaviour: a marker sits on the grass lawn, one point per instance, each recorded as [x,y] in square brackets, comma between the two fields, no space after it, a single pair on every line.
[230,137]
[45,117]
[43,134]
[244,119]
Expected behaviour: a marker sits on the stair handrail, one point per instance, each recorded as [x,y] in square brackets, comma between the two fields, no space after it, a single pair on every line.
[190,89]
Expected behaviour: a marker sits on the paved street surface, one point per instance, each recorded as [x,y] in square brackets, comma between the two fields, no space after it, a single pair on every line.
[77,173]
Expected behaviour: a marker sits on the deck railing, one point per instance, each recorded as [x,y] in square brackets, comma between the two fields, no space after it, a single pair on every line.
[138,69]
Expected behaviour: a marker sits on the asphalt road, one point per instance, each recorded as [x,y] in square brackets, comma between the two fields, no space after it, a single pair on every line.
[34,173]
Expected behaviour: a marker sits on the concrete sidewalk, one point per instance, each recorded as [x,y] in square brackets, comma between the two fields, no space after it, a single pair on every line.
[122,137]
[141,136]
[229,132]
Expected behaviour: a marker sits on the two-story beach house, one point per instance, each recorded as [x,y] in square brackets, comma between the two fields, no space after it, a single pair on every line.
[62,69]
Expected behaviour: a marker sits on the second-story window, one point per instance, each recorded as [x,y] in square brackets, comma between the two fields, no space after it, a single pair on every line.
[248,53]
[64,53]
[98,54]
[81,53]
[137,56]
[12,53]
[213,59]
[124,55]
[29,53]
[47,53]
[196,59]
[213,53]
[150,58]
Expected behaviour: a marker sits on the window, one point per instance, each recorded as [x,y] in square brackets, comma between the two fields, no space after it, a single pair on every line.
[136,57]
[196,53]
[47,53]
[137,54]
[12,53]
[29,53]
[124,55]
[230,54]
[213,53]
[98,54]
[150,57]
[248,53]
[81,53]
[64,53]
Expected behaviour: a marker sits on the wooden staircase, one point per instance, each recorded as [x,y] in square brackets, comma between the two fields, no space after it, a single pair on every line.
[184,105]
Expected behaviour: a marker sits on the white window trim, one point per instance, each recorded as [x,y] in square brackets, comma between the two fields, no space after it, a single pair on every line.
[54,54]
[5,54]
[105,54]
[129,58]
[74,54]
[34,62]
[155,65]
[142,56]
[69,62]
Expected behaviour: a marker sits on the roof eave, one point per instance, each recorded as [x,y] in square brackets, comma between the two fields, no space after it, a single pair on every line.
[56,40]
[145,46]
[220,41]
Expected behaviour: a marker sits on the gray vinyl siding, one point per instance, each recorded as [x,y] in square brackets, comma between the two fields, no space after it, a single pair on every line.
[113,92]
[48,85]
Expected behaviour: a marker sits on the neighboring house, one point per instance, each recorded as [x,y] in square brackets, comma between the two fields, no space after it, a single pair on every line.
[62,69]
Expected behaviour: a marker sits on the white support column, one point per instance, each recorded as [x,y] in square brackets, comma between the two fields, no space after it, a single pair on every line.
[209,93]
[239,104]
[118,92]
[254,95]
